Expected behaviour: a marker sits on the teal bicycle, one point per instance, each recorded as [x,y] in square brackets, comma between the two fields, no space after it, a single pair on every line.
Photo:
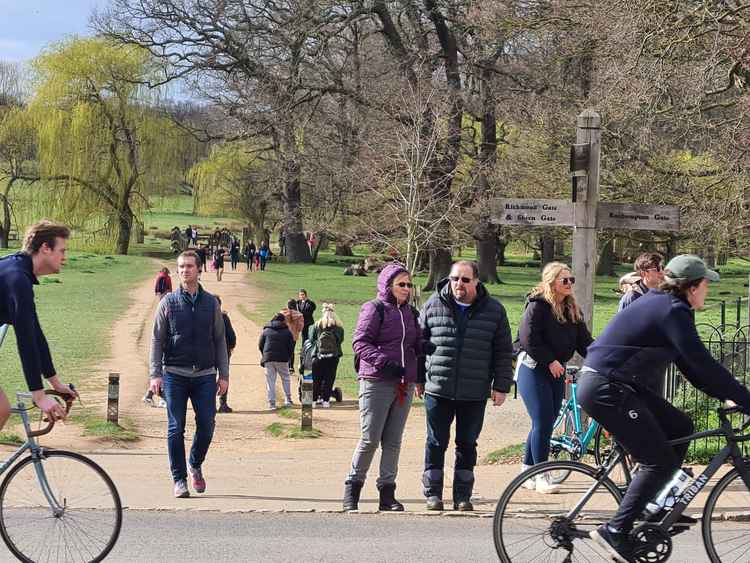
[575,436]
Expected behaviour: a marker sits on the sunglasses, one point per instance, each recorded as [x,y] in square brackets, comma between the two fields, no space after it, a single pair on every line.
[463,279]
[568,281]
[404,284]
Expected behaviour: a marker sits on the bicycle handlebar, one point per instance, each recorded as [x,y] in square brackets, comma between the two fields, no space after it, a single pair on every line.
[68,399]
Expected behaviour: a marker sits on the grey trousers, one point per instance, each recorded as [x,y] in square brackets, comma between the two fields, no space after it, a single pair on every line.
[282,368]
[382,419]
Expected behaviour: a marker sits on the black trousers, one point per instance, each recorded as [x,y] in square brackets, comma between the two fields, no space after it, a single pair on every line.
[324,376]
[643,423]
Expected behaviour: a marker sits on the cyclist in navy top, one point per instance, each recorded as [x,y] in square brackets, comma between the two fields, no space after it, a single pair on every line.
[635,347]
[43,253]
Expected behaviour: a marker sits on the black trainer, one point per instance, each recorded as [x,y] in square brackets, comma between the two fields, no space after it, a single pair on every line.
[618,545]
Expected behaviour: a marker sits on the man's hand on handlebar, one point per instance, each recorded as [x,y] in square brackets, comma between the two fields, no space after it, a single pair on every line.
[52,408]
[64,388]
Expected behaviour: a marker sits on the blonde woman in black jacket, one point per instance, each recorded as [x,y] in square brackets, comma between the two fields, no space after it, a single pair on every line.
[552,330]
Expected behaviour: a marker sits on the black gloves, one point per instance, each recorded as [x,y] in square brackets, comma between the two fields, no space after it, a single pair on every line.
[393,369]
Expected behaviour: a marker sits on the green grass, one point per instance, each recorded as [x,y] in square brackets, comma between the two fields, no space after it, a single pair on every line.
[288,412]
[94,425]
[10,439]
[506,455]
[281,430]
[325,282]
[77,309]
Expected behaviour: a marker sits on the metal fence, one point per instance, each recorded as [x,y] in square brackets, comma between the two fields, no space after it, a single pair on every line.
[728,344]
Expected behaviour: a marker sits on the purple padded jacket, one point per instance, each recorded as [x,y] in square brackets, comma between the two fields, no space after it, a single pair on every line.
[397,338]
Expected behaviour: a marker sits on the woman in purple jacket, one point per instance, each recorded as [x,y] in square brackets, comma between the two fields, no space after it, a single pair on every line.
[387,344]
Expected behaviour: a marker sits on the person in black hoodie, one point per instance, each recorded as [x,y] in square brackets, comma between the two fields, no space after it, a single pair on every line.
[552,330]
[231,338]
[276,345]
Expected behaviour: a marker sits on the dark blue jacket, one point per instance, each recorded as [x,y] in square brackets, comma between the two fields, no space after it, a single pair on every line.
[191,328]
[655,330]
[276,343]
[17,308]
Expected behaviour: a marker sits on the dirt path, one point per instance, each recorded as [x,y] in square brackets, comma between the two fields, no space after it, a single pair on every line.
[247,468]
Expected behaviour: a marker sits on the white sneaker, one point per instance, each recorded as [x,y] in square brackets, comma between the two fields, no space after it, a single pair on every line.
[162,404]
[272,406]
[528,483]
[326,405]
[319,402]
[544,486]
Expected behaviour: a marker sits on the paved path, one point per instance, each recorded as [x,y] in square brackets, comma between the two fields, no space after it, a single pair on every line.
[209,536]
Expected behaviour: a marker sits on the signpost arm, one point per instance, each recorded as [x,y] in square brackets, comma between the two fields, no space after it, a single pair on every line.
[588,131]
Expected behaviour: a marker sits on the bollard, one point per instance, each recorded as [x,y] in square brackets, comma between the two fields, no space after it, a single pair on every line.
[113,397]
[307,401]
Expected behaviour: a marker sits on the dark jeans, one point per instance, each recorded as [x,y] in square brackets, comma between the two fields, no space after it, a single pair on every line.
[235,260]
[542,394]
[469,417]
[324,376]
[201,391]
[262,263]
[643,423]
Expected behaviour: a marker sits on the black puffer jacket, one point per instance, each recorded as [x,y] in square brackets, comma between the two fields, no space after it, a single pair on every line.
[276,342]
[546,339]
[472,352]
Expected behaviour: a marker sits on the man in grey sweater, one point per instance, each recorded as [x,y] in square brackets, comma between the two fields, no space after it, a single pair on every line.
[187,350]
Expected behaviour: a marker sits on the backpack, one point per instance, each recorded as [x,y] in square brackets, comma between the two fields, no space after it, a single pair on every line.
[380,308]
[326,346]
[307,355]
[161,284]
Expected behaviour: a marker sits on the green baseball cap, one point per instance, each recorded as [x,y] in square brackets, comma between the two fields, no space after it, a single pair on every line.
[690,267]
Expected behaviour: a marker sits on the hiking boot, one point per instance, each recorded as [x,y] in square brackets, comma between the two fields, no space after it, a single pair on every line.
[463,506]
[225,408]
[352,490]
[199,483]
[617,544]
[434,503]
[181,489]
[388,500]
[545,486]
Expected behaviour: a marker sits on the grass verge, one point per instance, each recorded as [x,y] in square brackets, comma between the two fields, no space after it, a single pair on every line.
[94,425]
[505,456]
[10,439]
[281,430]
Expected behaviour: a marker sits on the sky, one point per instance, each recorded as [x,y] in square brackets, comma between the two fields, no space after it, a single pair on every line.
[27,26]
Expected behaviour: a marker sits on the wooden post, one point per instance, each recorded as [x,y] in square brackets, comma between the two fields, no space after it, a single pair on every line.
[113,397]
[588,131]
[307,401]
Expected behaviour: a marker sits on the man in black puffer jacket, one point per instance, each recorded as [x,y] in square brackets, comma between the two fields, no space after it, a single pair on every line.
[276,346]
[471,361]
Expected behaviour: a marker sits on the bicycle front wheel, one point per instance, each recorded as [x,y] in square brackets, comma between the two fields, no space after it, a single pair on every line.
[603,450]
[530,526]
[726,520]
[82,523]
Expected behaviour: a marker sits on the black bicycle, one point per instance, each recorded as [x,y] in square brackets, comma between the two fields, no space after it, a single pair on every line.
[529,526]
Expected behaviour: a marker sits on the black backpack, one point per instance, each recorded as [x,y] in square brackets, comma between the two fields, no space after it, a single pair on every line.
[380,308]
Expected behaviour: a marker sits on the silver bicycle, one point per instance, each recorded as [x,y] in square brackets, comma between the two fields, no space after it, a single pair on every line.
[56,505]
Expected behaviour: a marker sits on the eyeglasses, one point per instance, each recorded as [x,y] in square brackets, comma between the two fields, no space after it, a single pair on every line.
[568,281]
[404,284]
[655,269]
[455,279]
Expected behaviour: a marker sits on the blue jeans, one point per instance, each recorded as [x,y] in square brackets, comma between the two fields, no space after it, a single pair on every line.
[202,394]
[469,417]
[542,394]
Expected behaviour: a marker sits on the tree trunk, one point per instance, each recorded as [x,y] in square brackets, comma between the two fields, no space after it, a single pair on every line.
[5,229]
[297,249]
[672,243]
[343,249]
[547,244]
[485,236]
[125,226]
[322,240]
[440,267]
[710,256]
[605,265]
[502,244]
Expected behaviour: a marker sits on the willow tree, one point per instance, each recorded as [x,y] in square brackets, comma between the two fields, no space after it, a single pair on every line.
[237,177]
[17,151]
[100,139]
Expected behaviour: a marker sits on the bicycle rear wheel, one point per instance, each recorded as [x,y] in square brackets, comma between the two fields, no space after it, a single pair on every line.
[529,526]
[84,528]
[726,520]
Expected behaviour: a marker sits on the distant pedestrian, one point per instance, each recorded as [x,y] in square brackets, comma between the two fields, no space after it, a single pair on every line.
[276,346]
[282,243]
[202,253]
[249,253]
[163,283]
[468,334]
[296,324]
[328,336]
[219,262]
[234,253]
[307,308]
[263,253]
[188,348]
[194,236]
[387,345]
[231,338]
[552,329]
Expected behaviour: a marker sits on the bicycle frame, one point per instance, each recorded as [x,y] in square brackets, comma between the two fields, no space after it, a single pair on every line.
[730,451]
[583,437]
[36,453]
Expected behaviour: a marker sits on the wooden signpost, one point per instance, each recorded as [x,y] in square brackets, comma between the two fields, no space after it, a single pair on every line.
[585,213]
